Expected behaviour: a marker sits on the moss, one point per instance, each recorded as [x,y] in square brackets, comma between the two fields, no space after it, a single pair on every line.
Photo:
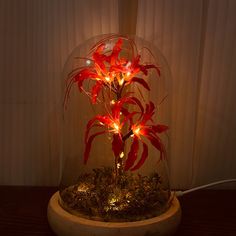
[99,196]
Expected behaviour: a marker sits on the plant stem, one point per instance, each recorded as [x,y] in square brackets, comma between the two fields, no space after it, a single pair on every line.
[127,135]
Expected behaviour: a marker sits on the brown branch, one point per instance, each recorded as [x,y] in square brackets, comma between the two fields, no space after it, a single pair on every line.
[127,135]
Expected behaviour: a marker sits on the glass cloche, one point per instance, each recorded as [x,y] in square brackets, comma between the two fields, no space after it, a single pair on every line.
[115,130]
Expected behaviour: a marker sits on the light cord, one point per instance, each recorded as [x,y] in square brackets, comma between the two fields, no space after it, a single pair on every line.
[181,193]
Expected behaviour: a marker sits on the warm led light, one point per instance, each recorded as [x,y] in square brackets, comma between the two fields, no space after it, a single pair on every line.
[128,64]
[107,79]
[113,200]
[128,74]
[82,188]
[113,102]
[116,127]
[122,155]
[121,81]
[136,130]
[88,62]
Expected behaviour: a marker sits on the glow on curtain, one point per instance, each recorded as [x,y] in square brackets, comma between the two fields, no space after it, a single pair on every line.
[198,40]
[36,38]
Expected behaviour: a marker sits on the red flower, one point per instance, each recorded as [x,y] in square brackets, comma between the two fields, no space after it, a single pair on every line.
[112,67]
[110,70]
[110,123]
[150,131]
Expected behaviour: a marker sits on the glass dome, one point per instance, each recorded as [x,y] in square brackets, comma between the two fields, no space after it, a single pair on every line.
[115,130]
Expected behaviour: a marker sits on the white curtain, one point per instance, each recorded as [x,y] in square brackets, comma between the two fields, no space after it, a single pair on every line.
[198,40]
[36,37]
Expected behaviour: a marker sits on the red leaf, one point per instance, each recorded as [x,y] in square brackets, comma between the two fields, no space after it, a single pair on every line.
[100,48]
[83,75]
[156,142]
[139,104]
[115,52]
[143,157]
[145,68]
[88,145]
[95,91]
[99,58]
[90,124]
[140,81]
[117,144]
[135,63]
[128,116]
[78,78]
[125,111]
[99,61]
[118,106]
[160,128]
[149,112]
[132,156]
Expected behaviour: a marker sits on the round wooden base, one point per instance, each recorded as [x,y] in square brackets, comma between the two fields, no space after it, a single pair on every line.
[65,224]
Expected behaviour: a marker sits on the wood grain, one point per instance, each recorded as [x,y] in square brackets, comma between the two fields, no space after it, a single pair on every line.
[206,213]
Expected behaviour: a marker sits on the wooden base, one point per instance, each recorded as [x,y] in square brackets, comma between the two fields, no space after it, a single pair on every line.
[65,224]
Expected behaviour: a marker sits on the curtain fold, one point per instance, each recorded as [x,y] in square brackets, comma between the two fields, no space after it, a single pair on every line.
[215,154]
[198,39]
[36,38]
[174,26]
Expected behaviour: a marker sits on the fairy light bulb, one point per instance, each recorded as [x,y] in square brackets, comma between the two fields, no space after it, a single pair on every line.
[128,64]
[122,154]
[116,127]
[113,102]
[137,131]
[107,79]
[121,82]
[88,62]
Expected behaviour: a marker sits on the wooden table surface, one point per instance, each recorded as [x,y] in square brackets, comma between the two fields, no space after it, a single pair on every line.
[204,213]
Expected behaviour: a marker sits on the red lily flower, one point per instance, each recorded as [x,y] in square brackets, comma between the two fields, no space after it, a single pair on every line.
[109,71]
[110,123]
[150,131]
[112,67]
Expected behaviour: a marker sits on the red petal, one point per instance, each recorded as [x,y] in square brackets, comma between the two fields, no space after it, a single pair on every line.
[135,63]
[90,124]
[145,68]
[143,157]
[88,145]
[79,78]
[100,61]
[117,144]
[83,75]
[156,142]
[128,116]
[95,91]
[99,58]
[140,81]
[100,48]
[118,106]
[115,52]
[160,128]
[139,104]
[132,156]
[149,112]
